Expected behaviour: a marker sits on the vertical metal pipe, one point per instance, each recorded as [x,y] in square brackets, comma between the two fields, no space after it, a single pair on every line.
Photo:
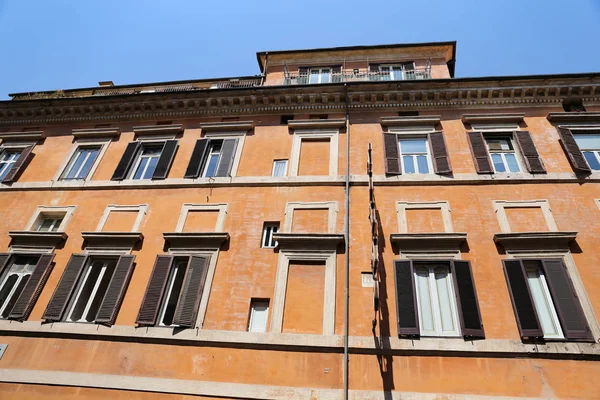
[347,247]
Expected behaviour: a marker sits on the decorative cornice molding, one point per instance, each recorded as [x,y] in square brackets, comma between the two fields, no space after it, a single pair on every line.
[317,123]
[237,126]
[493,118]
[195,240]
[574,117]
[112,239]
[535,240]
[37,239]
[96,133]
[425,120]
[157,129]
[22,136]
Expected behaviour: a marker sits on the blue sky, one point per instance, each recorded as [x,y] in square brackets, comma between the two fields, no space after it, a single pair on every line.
[60,44]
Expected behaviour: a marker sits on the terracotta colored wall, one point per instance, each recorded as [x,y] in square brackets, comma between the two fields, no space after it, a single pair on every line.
[120,221]
[303,311]
[526,220]
[314,157]
[201,221]
[424,220]
[310,220]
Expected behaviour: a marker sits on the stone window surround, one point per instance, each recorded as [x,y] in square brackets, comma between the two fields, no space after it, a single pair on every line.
[504,129]
[142,210]
[300,134]
[84,142]
[598,202]
[443,206]
[283,264]
[331,206]
[187,207]
[240,136]
[41,211]
[500,207]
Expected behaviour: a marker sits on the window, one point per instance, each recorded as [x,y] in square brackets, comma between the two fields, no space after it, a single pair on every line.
[215,157]
[319,75]
[435,300]
[212,162]
[259,313]
[590,146]
[13,281]
[538,286]
[91,289]
[143,160]
[396,72]
[146,162]
[267,239]
[81,163]
[415,156]
[279,167]
[173,291]
[7,160]
[503,154]
[50,224]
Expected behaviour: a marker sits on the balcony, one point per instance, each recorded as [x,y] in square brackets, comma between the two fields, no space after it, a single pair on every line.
[356,75]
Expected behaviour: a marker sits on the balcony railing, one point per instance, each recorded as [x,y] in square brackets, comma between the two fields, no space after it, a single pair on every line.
[295,78]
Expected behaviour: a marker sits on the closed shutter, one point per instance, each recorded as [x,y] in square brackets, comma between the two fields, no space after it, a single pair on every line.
[191,292]
[441,161]
[530,154]
[227,155]
[107,313]
[32,289]
[4,257]
[19,165]
[573,151]
[155,291]
[392,154]
[60,298]
[527,319]
[566,301]
[406,300]
[483,165]
[126,161]
[466,295]
[196,162]
[166,159]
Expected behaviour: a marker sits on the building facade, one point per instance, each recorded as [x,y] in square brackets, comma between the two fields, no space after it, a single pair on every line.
[351,223]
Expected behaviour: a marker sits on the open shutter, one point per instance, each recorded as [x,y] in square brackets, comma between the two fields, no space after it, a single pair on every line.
[32,289]
[483,165]
[107,313]
[466,296]
[527,319]
[392,154]
[530,154]
[441,161]
[165,160]
[60,298]
[196,162]
[19,166]
[126,161]
[227,155]
[191,292]
[566,301]
[155,291]
[406,299]
[573,151]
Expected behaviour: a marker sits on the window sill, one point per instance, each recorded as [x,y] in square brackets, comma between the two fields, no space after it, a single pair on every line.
[535,240]
[441,240]
[37,239]
[112,239]
[195,240]
[308,240]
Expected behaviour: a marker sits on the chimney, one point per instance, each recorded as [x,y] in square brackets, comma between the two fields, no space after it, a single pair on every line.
[106,83]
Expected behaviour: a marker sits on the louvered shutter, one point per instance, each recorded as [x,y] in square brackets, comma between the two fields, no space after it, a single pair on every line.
[566,302]
[227,155]
[406,299]
[439,152]
[529,152]
[155,291]
[60,298]
[4,257]
[527,319]
[574,154]
[392,154]
[466,296]
[126,161]
[191,292]
[19,165]
[32,289]
[197,160]
[165,160]
[107,313]
[483,165]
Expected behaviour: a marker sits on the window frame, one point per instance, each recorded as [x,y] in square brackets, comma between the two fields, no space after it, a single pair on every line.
[302,134]
[209,153]
[220,135]
[145,145]
[587,131]
[389,68]
[42,212]
[415,155]
[164,301]
[7,164]
[82,143]
[285,169]
[266,231]
[5,275]
[512,142]
[14,147]
[320,74]
[254,301]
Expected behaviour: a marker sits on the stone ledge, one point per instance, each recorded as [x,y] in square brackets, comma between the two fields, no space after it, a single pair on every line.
[427,120]
[433,240]
[96,133]
[535,240]
[22,136]
[493,118]
[237,126]
[195,240]
[317,123]
[308,240]
[157,129]
[34,238]
[112,239]
[574,117]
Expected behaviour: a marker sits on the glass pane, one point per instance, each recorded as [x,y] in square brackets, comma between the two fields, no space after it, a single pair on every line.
[411,146]
[425,311]
[422,163]
[211,169]
[444,299]
[325,76]
[4,168]
[151,167]
[260,312]
[93,153]
[15,296]
[85,292]
[314,76]
[100,292]
[541,302]
[397,73]
[588,142]
[498,162]
[140,169]
[592,160]
[511,160]
[409,165]
[499,144]
[175,284]
[79,158]
[7,288]
[279,168]
[46,224]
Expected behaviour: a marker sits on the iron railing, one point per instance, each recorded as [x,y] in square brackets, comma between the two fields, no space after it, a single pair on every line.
[356,75]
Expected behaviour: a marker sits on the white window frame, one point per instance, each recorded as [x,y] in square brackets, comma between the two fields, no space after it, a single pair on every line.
[587,131]
[20,276]
[221,208]
[548,299]
[6,166]
[515,151]
[390,68]
[142,209]
[241,138]
[140,154]
[285,169]
[14,147]
[320,73]
[415,155]
[502,130]
[303,134]
[253,302]
[43,212]
[500,207]
[268,230]
[82,143]
[211,153]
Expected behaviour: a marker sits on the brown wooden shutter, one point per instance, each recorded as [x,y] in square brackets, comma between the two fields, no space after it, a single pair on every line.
[566,302]
[191,292]
[19,165]
[107,313]
[32,289]
[571,148]
[165,160]
[227,156]
[60,298]
[527,319]
[197,160]
[4,257]
[533,161]
[407,313]
[392,154]
[155,291]
[483,164]
[466,296]
[126,161]
[441,161]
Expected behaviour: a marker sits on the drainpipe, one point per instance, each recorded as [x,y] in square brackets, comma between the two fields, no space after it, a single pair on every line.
[347,247]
